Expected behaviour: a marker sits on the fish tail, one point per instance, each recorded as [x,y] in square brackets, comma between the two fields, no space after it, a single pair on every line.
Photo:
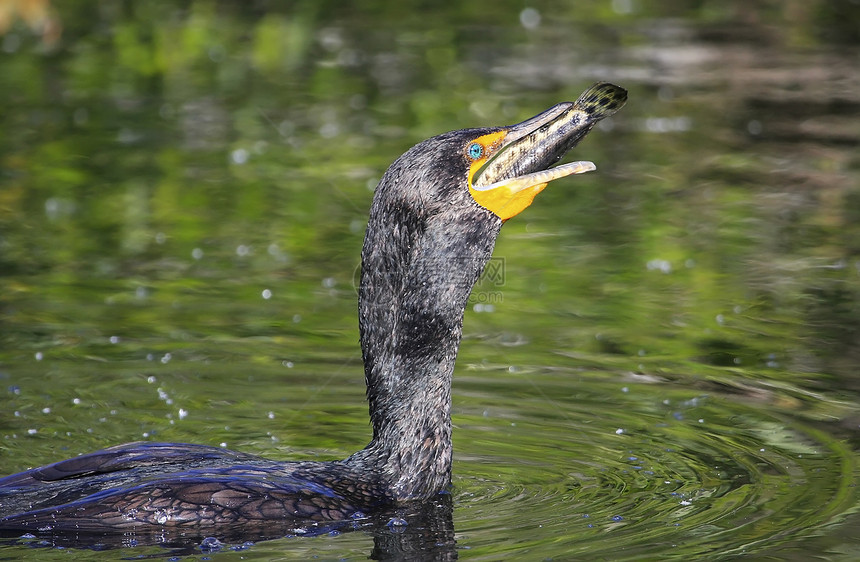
[601,100]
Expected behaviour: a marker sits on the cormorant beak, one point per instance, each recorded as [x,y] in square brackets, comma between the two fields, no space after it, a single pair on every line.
[512,165]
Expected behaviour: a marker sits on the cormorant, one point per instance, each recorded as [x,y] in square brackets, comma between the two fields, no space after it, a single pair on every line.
[433,224]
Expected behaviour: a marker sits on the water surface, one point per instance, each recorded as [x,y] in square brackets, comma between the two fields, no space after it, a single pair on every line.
[663,364]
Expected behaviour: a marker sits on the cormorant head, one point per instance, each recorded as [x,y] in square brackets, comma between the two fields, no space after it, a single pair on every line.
[511,165]
[501,169]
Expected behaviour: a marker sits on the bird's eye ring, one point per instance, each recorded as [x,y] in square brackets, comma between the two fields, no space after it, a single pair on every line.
[475,151]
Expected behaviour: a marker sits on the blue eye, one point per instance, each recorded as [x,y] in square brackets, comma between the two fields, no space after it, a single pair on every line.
[475,151]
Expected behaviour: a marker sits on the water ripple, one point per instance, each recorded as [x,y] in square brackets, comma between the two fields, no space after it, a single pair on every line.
[652,472]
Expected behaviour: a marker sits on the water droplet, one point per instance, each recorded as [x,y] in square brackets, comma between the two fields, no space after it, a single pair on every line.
[210,543]
[239,156]
[622,6]
[754,127]
[530,18]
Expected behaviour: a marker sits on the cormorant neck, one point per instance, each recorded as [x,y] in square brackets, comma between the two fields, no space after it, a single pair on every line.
[418,269]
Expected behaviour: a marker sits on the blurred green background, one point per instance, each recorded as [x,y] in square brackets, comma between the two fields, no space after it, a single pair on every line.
[183,195]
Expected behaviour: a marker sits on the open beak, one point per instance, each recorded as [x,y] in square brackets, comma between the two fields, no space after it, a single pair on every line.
[516,165]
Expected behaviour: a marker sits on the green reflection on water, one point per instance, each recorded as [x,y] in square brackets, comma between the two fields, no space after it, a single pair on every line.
[165,164]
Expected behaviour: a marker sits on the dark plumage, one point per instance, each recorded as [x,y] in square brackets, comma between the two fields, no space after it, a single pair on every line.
[433,224]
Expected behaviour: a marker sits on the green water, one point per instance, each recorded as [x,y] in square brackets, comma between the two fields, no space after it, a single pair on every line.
[663,365]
